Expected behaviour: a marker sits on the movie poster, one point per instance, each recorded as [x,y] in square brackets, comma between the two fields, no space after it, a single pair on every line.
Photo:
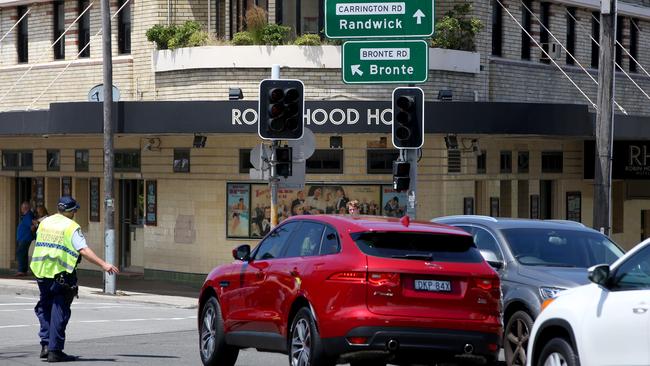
[314,199]
[238,220]
[393,204]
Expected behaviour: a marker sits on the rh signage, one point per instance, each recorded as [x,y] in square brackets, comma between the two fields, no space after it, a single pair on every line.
[631,160]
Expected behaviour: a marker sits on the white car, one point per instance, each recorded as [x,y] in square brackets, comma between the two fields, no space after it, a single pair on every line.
[603,323]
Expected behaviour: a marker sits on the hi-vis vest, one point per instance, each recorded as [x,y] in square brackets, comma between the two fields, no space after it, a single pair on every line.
[54,252]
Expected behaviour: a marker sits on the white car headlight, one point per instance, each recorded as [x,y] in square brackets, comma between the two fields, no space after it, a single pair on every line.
[549,292]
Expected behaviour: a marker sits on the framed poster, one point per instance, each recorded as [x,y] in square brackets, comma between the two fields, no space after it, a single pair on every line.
[39,191]
[534,206]
[393,204]
[66,186]
[468,206]
[151,213]
[494,206]
[94,200]
[314,199]
[574,206]
[238,212]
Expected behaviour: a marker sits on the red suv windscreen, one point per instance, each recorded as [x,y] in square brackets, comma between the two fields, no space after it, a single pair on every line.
[418,246]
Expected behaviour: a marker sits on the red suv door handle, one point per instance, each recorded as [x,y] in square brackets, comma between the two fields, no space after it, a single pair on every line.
[260,274]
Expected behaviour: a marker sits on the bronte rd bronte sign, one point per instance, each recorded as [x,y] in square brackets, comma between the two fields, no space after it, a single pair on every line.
[380,62]
[378,19]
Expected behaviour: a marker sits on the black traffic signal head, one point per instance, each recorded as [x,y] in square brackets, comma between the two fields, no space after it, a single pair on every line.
[401,176]
[408,118]
[281,108]
[283,162]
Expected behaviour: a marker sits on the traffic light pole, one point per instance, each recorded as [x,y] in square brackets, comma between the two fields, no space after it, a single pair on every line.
[273,179]
[412,158]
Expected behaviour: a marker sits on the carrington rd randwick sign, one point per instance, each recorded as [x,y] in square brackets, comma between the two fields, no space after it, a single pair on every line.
[378,19]
[379,62]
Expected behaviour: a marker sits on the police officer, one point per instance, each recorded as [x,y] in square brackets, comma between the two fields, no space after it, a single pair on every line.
[60,245]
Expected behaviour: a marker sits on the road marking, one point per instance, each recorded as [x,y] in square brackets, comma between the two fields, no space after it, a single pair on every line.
[103,321]
[83,308]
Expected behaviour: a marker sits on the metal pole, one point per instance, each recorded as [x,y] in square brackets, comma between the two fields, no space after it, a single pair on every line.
[605,119]
[273,180]
[411,209]
[109,203]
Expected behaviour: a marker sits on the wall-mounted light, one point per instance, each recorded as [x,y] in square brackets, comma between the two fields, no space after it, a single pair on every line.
[235,94]
[199,141]
[445,94]
[336,142]
[451,141]
[152,144]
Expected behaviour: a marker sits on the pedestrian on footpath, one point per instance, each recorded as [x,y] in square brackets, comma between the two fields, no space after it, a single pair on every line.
[60,244]
[353,208]
[24,238]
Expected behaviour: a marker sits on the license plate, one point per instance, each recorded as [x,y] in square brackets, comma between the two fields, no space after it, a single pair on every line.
[433,286]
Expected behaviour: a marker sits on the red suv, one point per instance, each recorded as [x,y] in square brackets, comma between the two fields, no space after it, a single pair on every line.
[365,290]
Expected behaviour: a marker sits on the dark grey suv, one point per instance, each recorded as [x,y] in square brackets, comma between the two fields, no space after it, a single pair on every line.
[535,260]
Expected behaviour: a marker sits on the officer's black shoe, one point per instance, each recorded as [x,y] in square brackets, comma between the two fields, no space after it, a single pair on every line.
[59,356]
[44,351]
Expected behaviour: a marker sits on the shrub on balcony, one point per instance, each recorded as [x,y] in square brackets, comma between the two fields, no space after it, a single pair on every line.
[308,40]
[189,34]
[243,39]
[457,30]
[275,34]
[256,22]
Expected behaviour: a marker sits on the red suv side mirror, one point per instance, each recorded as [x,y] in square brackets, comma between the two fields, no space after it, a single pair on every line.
[242,253]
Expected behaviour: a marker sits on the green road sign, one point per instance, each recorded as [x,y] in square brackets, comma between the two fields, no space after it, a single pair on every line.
[384,62]
[378,18]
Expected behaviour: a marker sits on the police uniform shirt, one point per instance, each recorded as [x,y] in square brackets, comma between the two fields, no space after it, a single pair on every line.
[78,240]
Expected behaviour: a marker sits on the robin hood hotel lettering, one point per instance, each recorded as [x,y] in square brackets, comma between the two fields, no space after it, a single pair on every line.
[322,116]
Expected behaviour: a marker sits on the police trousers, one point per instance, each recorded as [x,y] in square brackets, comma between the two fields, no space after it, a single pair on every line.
[53,310]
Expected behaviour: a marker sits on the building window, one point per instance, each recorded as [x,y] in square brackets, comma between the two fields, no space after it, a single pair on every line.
[22,45]
[481,163]
[525,41]
[380,161]
[570,35]
[497,28]
[634,44]
[545,15]
[127,161]
[453,161]
[53,160]
[81,160]
[17,160]
[181,160]
[326,161]
[124,28]
[523,161]
[552,161]
[84,29]
[595,34]
[59,28]
[506,162]
[245,161]
[304,16]
[620,23]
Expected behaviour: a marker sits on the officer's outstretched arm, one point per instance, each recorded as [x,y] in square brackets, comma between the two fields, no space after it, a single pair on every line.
[93,258]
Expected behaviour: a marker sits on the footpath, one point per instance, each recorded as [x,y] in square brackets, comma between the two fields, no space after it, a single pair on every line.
[130,288]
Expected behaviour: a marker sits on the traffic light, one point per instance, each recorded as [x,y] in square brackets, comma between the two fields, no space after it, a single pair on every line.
[408,118]
[283,162]
[281,109]
[401,176]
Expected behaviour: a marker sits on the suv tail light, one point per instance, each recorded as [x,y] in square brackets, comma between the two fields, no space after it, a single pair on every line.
[383,279]
[486,284]
[349,277]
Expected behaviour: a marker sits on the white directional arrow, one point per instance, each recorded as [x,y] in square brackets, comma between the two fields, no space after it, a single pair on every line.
[356,69]
[419,14]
